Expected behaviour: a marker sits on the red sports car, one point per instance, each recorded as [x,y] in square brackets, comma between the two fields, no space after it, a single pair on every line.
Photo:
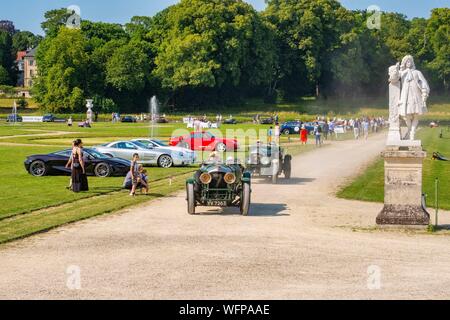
[204,141]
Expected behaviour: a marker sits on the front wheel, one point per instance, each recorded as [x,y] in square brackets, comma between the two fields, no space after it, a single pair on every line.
[245,199]
[102,170]
[165,161]
[38,168]
[190,198]
[287,132]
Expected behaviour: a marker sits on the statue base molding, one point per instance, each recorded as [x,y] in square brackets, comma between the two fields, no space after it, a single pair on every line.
[403,199]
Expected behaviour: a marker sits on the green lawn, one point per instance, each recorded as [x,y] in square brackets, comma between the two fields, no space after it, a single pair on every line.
[370,185]
[31,205]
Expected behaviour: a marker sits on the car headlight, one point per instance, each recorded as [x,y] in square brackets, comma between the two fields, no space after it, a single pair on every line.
[205,178]
[230,178]
[265,161]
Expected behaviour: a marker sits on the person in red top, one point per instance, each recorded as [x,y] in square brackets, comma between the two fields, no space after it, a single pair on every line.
[304,135]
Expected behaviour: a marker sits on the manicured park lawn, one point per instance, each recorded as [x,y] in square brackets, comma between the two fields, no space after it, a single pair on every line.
[370,185]
[31,205]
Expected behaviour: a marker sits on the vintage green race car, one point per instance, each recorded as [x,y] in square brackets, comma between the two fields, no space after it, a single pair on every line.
[219,185]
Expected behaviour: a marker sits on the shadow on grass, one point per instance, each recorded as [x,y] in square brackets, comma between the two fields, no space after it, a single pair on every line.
[256,210]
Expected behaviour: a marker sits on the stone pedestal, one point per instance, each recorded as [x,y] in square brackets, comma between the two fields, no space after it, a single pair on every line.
[403,186]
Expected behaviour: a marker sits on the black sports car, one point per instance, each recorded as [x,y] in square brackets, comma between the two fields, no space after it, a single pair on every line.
[97,164]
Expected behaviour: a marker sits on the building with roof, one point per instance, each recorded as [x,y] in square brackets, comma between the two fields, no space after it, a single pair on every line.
[29,68]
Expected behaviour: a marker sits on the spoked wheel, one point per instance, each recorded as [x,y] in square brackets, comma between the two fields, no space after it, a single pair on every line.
[38,168]
[287,167]
[102,170]
[287,132]
[165,161]
[190,198]
[245,199]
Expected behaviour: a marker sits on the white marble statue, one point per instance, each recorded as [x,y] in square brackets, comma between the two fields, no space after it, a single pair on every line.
[414,95]
[408,95]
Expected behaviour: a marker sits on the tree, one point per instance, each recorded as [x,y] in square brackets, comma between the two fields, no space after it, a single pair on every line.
[438,33]
[24,40]
[213,47]
[308,31]
[63,64]
[54,20]
[4,76]
[7,59]
[128,68]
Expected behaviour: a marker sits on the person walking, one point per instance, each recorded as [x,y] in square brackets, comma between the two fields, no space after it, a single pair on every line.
[366,127]
[270,135]
[277,133]
[318,134]
[304,135]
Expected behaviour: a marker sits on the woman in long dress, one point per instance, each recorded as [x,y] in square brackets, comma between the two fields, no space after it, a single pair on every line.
[76,163]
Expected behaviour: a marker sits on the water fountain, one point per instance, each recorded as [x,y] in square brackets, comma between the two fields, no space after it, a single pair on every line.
[154,109]
[14,113]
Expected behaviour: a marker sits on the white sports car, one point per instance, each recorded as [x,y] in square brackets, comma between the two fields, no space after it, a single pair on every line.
[150,152]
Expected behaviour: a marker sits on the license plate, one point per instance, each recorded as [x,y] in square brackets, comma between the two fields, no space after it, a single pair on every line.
[217,203]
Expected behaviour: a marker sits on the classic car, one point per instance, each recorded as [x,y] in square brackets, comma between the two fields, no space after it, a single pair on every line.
[97,164]
[48,118]
[269,160]
[230,121]
[128,119]
[164,158]
[294,127]
[267,121]
[14,118]
[219,185]
[204,141]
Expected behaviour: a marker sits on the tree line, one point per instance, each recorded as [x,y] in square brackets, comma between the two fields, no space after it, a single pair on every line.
[213,53]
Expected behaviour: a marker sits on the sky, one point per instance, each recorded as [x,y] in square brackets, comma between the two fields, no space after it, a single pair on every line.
[28,14]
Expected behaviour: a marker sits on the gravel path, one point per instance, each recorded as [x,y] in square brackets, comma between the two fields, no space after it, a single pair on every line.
[297,244]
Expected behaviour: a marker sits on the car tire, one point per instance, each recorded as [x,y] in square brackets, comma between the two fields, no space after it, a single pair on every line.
[245,199]
[287,132]
[220,147]
[38,168]
[102,170]
[165,161]
[287,166]
[190,198]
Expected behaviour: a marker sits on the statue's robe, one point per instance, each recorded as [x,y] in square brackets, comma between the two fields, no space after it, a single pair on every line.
[414,88]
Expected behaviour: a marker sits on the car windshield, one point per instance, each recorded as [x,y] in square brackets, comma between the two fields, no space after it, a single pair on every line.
[96,154]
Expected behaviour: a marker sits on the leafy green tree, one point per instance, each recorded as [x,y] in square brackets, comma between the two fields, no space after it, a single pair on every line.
[308,31]
[438,33]
[54,20]
[7,57]
[128,68]
[63,64]
[215,46]
[4,76]
[24,40]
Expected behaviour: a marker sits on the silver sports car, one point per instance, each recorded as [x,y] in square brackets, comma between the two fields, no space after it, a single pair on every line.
[149,154]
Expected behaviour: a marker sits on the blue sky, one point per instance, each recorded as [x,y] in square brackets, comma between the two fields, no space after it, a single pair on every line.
[28,14]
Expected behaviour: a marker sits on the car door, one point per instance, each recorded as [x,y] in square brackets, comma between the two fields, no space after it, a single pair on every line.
[59,160]
[208,141]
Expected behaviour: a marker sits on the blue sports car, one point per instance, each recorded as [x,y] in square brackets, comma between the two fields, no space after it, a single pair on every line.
[294,127]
